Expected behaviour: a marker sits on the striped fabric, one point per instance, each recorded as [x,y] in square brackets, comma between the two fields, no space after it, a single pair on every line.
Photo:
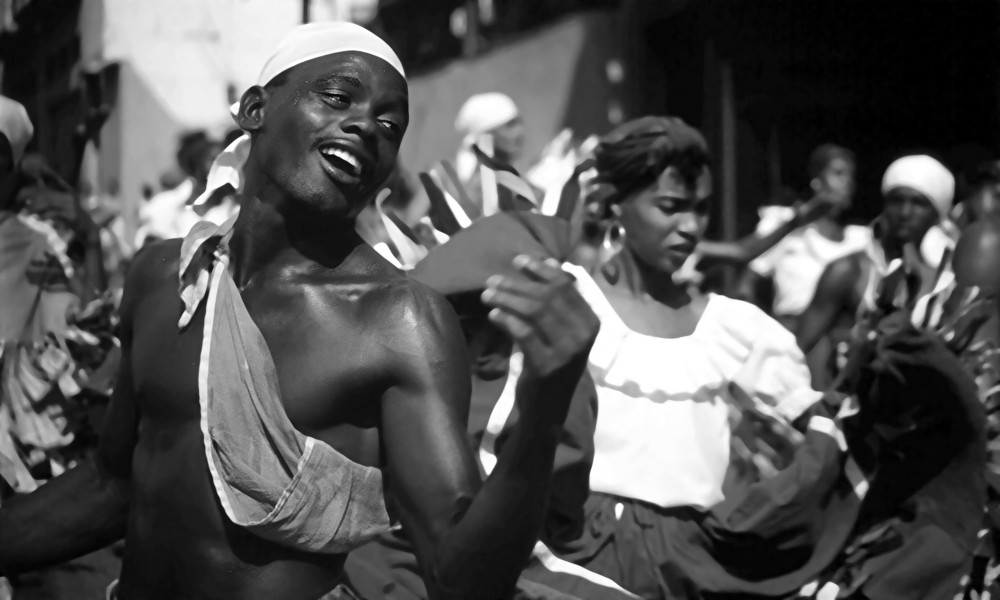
[506,175]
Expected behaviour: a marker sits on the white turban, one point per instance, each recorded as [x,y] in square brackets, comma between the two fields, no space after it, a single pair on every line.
[481,114]
[925,175]
[15,124]
[302,44]
[314,40]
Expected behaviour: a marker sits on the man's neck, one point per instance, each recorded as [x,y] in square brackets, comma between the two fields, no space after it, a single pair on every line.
[266,236]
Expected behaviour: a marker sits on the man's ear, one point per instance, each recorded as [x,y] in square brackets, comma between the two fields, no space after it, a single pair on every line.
[815,184]
[250,116]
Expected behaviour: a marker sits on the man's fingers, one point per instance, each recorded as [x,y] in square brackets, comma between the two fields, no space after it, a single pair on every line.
[527,308]
[522,332]
[542,270]
[521,286]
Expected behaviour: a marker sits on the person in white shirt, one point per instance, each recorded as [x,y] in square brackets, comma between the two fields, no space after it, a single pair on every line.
[795,264]
[167,215]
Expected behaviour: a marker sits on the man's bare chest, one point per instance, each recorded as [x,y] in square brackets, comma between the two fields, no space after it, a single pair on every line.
[329,372]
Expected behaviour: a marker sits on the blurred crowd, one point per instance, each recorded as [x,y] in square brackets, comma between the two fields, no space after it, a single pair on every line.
[819,282]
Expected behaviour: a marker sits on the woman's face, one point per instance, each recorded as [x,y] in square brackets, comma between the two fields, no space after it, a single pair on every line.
[665,221]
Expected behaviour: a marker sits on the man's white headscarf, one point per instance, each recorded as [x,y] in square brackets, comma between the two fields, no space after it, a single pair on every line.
[302,44]
[481,114]
[15,124]
[923,174]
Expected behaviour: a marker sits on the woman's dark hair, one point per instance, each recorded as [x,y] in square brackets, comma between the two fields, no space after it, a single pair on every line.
[633,155]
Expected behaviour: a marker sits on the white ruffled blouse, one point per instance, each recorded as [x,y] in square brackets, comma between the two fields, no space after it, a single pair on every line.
[665,405]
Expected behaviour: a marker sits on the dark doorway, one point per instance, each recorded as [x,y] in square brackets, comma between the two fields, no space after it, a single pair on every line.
[884,78]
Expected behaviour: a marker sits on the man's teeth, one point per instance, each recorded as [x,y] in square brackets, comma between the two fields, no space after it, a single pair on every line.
[346,157]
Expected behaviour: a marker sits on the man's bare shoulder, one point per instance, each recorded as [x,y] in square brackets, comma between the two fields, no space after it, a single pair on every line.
[416,324]
[397,298]
[151,265]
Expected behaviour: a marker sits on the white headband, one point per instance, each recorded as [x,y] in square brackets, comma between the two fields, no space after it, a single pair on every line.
[314,40]
[302,44]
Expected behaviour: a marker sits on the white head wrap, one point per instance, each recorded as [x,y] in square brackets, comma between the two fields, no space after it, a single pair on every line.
[302,44]
[481,114]
[15,124]
[926,175]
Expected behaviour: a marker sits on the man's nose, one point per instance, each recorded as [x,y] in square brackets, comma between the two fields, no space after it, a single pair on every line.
[360,124]
[906,208]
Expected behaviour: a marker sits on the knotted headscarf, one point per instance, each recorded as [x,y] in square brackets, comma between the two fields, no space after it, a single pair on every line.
[302,44]
[479,115]
[634,154]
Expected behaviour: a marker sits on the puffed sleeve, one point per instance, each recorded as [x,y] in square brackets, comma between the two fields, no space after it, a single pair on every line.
[774,378]
[771,217]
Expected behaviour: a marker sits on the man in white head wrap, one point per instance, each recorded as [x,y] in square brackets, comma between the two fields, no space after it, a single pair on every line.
[15,133]
[243,451]
[492,122]
[911,232]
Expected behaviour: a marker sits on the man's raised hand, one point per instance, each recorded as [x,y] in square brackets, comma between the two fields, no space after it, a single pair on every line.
[543,313]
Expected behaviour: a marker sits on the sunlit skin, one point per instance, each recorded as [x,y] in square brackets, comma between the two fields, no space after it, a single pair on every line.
[663,224]
[367,361]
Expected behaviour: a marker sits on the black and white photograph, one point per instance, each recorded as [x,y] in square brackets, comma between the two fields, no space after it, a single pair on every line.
[499,300]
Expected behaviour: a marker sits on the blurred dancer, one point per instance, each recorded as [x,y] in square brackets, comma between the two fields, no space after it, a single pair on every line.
[491,118]
[918,192]
[167,214]
[795,264]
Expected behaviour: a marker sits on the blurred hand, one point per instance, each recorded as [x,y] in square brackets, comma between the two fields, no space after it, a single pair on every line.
[814,208]
[543,313]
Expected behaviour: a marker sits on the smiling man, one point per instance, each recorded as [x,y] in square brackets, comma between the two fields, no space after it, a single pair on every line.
[301,394]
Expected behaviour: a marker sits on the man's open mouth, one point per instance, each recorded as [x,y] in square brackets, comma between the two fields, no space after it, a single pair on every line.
[343,160]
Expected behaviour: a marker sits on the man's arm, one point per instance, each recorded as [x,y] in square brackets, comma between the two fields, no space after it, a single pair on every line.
[473,539]
[834,294]
[84,509]
[742,251]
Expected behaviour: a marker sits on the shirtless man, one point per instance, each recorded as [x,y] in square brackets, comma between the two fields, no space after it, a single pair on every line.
[367,361]
[918,193]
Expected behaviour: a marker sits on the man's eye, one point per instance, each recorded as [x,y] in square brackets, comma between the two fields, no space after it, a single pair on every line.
[337,97]
[391,126]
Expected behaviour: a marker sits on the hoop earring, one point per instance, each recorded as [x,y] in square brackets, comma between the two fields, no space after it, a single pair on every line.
[614,238]
[611,246]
